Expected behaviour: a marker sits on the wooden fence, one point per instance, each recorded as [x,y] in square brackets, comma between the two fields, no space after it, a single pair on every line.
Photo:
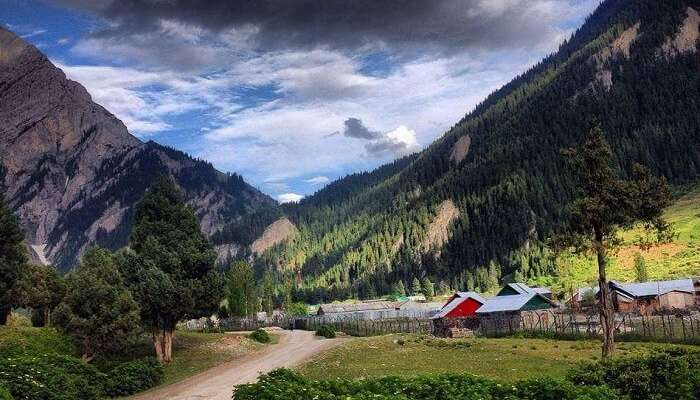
[670,326]
[366,327]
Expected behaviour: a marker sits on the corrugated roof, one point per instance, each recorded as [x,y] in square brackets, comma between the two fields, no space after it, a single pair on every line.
[334,308]
[522,288]
[647,289]
[509,303]
[459,299]
[505,303]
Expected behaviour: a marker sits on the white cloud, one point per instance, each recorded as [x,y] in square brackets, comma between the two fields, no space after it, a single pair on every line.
[289,198]
[318,180]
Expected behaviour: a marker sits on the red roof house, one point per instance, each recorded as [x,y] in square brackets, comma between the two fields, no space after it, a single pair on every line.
[462,304]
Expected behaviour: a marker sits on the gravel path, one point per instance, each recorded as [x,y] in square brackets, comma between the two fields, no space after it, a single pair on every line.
[217,383]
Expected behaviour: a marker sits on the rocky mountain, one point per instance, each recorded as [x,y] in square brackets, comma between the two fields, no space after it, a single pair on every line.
[72,172]
[480,202]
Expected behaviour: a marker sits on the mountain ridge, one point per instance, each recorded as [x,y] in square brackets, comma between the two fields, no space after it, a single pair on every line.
[72,172]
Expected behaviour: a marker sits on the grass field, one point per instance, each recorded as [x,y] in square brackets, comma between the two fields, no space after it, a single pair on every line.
[507,359]
[678,259]
[192,352]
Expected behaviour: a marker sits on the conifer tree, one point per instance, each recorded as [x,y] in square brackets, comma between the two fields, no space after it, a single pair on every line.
[13,258]
[606,204]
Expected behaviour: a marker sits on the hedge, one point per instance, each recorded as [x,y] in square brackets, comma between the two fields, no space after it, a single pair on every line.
[133,377]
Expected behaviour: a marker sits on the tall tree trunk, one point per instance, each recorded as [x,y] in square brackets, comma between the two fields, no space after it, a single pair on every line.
[5,315]
[605,307]
[168,336]
[157,337]
[47,317]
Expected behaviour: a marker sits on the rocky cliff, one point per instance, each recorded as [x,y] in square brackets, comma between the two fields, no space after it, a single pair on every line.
[72,172]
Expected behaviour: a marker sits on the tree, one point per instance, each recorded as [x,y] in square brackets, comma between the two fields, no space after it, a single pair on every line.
[171,265]
[98,310]
[42,289]
[443,288]
[13,257]
[399,289]
[240,290]
[428,289]
[640,268]
[415,287]
[606,204]
[268,294]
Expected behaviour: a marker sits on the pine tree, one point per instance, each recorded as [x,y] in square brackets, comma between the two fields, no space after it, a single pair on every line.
[13,258]
[428,289]
[606,204]
[415,287]
[171,267]
[640,268]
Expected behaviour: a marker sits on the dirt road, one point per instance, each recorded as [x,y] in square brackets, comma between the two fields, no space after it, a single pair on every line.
[217,383]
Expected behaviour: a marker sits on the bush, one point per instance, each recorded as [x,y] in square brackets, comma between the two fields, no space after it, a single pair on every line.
[326,331]
[4,393]
[50,377]
[260,336]
[18,321]
[289,385]
[296,309]
[667,374]
[132,377]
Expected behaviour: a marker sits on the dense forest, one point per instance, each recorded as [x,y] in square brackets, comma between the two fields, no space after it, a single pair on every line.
[623,70]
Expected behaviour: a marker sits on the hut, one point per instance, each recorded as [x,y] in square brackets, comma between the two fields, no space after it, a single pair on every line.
[356,308]
[460,305]
[514,304]
[656,296]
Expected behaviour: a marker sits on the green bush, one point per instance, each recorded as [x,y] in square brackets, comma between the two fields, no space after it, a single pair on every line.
[289,385]
[50,377]
[132,377]
[260,336]
[4,393]
[296,309]
[668,374]
[326,331]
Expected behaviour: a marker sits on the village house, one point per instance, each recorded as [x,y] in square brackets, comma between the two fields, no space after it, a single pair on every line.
[645,297]
[460,305]
[356,307]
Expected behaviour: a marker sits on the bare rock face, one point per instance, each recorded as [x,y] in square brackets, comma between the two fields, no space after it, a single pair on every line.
[461,149]
[72,172]
[686,40]
[275,233]
[438,232]
[620,47]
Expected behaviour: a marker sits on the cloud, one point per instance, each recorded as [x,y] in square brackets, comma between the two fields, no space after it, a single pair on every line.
[399,142]
[289,198]
[318,180]
[444,26]
[354,128]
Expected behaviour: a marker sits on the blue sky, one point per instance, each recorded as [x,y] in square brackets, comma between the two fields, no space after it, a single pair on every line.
[293,95]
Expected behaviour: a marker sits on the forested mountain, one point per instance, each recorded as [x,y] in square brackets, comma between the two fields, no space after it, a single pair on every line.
[481,202]
[72,172]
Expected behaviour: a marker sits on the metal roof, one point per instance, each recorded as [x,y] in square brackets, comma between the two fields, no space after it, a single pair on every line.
[459,299]
[649,289]
[509,303]
[334,308]
[522,288]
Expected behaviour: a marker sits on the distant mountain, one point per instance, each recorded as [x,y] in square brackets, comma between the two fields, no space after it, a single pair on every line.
[480,202]
[72,172]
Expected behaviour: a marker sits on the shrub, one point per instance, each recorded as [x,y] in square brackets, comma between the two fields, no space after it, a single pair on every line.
[4,393]
[296,309]
[50,377]
[289,385]
[673,373]
[326,331]
[260,336]
[19,321]
[132,377]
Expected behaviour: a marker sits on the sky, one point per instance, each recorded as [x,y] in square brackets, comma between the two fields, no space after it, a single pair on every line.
[293,94]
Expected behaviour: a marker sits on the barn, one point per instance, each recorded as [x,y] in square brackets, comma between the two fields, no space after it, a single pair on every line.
[653,296]
[460,305]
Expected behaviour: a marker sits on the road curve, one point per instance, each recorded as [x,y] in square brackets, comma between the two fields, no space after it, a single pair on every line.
[217,383]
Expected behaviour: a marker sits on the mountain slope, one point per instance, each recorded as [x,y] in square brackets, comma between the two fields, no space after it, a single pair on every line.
[633,67]
[72,172]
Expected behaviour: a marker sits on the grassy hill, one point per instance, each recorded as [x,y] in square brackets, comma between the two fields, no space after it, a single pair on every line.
[678,259]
